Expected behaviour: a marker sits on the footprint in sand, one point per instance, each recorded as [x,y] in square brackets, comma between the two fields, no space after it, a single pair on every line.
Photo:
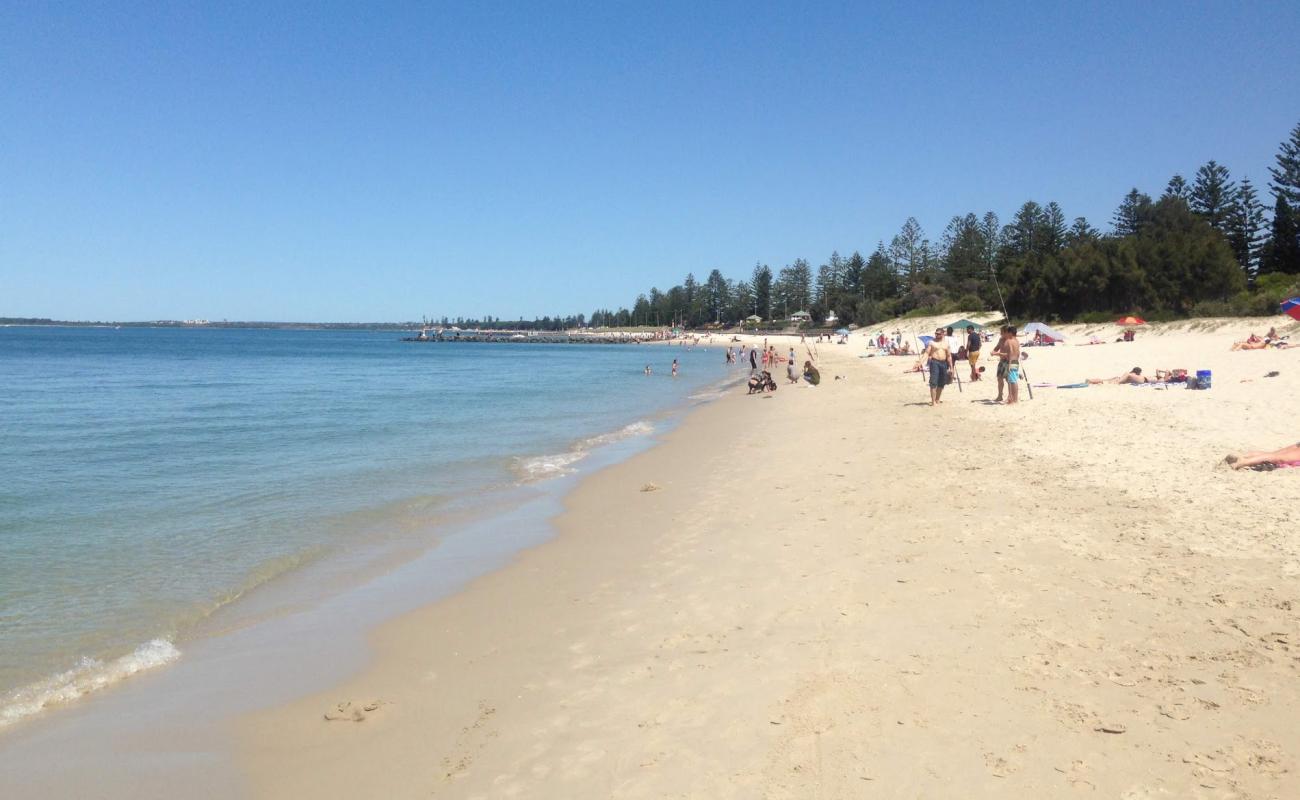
[349,711]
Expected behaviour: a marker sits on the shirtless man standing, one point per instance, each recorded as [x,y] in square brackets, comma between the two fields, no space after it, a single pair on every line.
[938,359]
[1000,350]
[1013,366]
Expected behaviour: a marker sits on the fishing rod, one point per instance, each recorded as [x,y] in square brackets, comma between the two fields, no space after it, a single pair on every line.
[1007,318]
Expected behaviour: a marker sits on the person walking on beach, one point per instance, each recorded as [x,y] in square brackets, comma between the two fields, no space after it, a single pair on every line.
[1013,366]
[973,352]
[938,358]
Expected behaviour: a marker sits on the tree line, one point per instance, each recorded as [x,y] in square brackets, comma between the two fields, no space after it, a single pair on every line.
[1208,247]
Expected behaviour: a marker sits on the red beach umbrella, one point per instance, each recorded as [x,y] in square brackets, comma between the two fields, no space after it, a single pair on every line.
[1130,320]
[1292,308]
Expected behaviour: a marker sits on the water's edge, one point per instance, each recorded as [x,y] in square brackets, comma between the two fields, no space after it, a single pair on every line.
[314,643]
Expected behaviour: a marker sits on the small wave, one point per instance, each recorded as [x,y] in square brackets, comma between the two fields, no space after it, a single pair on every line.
[552,466]
[640,428]
[88,676]
[536,468]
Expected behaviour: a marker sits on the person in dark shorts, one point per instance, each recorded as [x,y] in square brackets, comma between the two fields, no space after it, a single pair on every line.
[938,359]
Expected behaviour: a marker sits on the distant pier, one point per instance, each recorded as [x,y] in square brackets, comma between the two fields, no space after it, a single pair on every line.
[522,337]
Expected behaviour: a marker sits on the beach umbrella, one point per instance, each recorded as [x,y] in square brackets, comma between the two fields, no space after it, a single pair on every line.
[842,332]
[963,323]
[1130,320]
[1292,308]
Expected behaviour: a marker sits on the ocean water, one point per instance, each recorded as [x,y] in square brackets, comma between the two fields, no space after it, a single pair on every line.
[152,477]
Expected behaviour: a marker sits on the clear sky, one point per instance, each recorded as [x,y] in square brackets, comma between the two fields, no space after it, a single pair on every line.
[379,161]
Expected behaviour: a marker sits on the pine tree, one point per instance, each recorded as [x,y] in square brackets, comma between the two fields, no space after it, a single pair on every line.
[1131,213]
[1025,233]
[715,288]
[1212,194]
[1282,253]
[879,281]
[1177,188]
[907,250]
[822,287]
[1052,229]
[1245,225]
[761,283]
[1081,232]
[1286,175]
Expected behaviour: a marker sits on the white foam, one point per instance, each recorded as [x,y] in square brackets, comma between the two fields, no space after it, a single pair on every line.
[88,676]
[538,468]
[639,428]
[549,466]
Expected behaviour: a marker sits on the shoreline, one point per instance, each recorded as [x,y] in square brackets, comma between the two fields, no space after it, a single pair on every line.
[468,540]
[789,613]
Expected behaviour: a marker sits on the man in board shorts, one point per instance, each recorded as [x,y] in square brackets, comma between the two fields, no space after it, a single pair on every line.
[938,359]
[973,352]
[1000,350]
[1013,366]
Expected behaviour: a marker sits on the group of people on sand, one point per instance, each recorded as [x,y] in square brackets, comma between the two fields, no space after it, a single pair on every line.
[939,360]
[1270,339]
[762,361]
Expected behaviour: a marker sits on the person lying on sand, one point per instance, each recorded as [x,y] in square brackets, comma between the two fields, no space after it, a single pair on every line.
[1132,376]
[1286,455]
[1252,342]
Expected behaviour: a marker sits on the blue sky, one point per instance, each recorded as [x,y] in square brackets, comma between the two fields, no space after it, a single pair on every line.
[382,161]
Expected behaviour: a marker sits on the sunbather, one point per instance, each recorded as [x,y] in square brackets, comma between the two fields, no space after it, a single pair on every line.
[1132,376]
[1286,455]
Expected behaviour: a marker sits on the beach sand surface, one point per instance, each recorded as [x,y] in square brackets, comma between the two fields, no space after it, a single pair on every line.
[841,592]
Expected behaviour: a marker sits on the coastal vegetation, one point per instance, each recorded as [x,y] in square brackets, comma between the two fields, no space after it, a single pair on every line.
[1204,247]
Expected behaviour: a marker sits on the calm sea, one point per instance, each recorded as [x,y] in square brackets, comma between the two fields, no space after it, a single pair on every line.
[149,477]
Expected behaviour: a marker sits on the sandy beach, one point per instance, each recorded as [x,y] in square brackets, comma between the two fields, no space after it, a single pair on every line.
[839,591]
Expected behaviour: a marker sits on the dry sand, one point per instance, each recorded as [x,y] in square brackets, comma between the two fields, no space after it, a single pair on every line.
[840,592]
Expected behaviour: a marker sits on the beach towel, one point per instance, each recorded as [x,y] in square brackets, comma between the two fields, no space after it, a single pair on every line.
[1083,385]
